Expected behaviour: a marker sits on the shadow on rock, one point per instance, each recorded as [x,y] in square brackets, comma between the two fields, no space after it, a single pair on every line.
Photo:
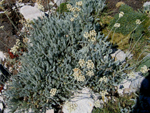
[143,101]
[4,75]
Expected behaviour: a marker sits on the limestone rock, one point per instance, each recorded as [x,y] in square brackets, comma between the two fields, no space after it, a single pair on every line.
[2,56]
[120,55]
[30,12]
[82,102]
[58,2]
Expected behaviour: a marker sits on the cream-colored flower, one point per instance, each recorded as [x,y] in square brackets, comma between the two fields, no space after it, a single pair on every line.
[86,35]
[25,40]
[14,49]
[71,106]
[69,6]
[93,39]
[144,69]
[76,15]
[1,27]
[121,14]
[103,79]
[77,75]
[138,21]
[80,78]
[53,91]
[79,3]
[81,62]
[90,64]
[17,42]
[73,9]
[131,75]
[77,9]
[103,93]
[77,72]
[90,73]
[93,33]
[117,25]
[97,104]
[72,19]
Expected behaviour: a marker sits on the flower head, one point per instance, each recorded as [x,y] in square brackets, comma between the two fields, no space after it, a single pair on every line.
[81,62]
[90,64]
[86,35]
[79,3]
[76,15]
[97,104]
[77,9]
[1,27]
[90,73]
[121,14]
[103,79]
[131,75]
[53,91]
[77,75]
[71,106]
[144,69]
[117,25]
[93,33]
[72,19]
[138,21]
[69,6]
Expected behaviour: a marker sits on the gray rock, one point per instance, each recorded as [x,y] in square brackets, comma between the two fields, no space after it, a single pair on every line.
[82,102]
[120,55]
[58,2]
[30,12]
[136,83]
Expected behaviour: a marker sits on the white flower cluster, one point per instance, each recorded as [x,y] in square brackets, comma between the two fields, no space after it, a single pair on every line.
[117,25]
[78,75]
[97,104]
[91,35]
[71,106]
[53,91]
[15,48]
[1,27]
[81,62]
[144,69]
[90,73]
[103,79]
[90,64]
[131,75]
[73,9]
[79,3]
[40,7]
[121,14]
[138,21]
[103,93]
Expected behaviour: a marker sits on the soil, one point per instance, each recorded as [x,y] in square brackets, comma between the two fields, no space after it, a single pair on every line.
[135,4]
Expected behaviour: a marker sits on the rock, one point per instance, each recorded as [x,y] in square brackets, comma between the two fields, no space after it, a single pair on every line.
[122,86]
[82,102]
[30,12]
[58,2]
[120,55]
[2,56]
[136,83]
[133,84]
[1,107]
[50,111]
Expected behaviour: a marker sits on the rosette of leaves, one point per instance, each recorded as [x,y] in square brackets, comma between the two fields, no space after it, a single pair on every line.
[46,78]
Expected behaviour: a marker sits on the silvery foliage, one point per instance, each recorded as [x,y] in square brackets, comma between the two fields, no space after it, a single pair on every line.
[57,46]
